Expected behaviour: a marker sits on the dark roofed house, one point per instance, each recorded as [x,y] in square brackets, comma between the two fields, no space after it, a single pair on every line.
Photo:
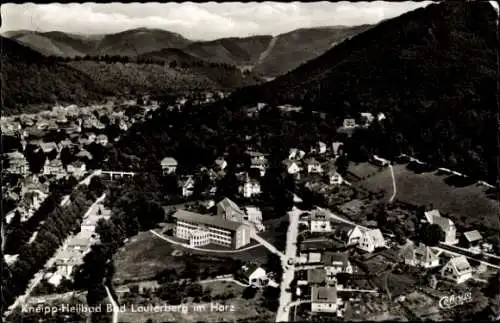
[324,299]
[471,239]
[229,210]
[336,263]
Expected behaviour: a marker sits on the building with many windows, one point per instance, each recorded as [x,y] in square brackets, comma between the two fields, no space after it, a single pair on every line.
[203,229]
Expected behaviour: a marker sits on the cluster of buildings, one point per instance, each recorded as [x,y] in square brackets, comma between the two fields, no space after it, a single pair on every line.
[78,245]
[363,119]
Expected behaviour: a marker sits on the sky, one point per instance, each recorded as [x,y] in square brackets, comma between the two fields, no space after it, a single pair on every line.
[198,21]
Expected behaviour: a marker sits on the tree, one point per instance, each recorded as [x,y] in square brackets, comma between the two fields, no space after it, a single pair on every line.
[342,164]
[432,235]
[249,292]
[36,159]
[96,186]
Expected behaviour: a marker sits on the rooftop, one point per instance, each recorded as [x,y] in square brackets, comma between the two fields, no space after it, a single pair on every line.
[324,294]
[206,219]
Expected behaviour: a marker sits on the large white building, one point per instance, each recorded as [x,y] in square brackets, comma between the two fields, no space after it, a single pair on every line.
[202,229]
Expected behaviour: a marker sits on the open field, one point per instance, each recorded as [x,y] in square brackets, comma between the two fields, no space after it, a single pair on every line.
[363,170]
[468,205]
[146,255]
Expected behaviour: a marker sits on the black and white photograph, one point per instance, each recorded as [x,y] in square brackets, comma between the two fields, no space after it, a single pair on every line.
[250,162]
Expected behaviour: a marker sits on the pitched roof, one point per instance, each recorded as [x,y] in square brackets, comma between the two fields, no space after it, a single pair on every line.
[421,252]
[376,236]
[333,258]
[228,204]
[169,161]
[206,219]
[324,294]
[461,264]
[249,269]
[48,146]
[316,276]
[473,236]
[433,217]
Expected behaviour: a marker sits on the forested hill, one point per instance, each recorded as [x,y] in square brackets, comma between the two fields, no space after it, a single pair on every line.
[28,77]
[31,80]
[433,71]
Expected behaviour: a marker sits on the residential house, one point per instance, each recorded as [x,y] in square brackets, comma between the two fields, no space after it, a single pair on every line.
[471,239]
[367,118]
[337,148]
[376,160]
[77,168]
[351,236]
[258,161]
[457,269]
[349,123]
[446,225]
[371,240]
[421,256]
[324,299]
[67,261]
[320,221]
[292,167]
[220,163]
[102,139]
[254,216]
[313,166]
[254,275]
[187,186]
[168,165]
[230,211]
[53,167]
[380,116]
[17,163]
[336,263]
[250,188]
[296,154]
[319,148]
[48,147]
[319,277]
[334,178]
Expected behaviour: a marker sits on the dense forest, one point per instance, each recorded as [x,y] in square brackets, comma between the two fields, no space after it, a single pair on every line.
[432,71]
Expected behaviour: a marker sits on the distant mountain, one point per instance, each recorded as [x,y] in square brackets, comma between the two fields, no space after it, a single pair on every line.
[432,71]
[268,56]
[31,80]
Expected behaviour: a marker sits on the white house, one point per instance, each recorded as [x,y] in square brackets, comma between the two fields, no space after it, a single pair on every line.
[254,216]
[349,123]
[335,178]
[367,117]
[457,269]
[67,261]
[371,240]
[221,163]
[250,188]
[446,225]
[77,168]
[168,165]
[313,166]
[53,167]
[320,222]
[349,235]
[296,154]
[336,148]
[254,275]
[292,166]
[324,299]
[319,148]
[421,256]
[188,187]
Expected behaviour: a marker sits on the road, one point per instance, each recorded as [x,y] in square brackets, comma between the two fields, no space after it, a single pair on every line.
[394,189]
[232,280]
[185,245]
[469,255]
[116,309]
[268,245]
[288,270]
[37,278]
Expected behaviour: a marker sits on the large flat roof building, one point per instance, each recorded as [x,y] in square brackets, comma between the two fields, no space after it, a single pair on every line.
[202,229]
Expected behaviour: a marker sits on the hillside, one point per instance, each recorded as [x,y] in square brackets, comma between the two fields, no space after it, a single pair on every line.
[268,56]
[432,71]
[30,78]
[292,49]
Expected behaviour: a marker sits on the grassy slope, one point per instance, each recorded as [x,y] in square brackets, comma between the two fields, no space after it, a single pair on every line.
[468,204]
